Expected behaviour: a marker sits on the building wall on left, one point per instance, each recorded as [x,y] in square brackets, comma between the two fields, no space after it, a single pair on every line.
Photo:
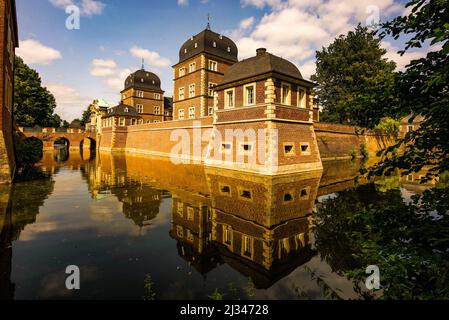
[8,42]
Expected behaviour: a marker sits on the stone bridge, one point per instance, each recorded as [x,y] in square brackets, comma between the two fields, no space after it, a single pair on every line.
[73,138]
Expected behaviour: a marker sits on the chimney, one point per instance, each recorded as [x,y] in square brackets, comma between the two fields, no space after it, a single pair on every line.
[261,51]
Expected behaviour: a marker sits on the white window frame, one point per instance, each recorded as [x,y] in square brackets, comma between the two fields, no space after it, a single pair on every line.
[121,122]
[181,93]
[211,64]
[210,91]
[181,114]
[192,90]
[192,111]
[192,67]
[157,96]
[157,110]
[182,71]
[302,95]
[139,94]
[245,94]
[227,104]
[139,108]
[210,111]
[288,98]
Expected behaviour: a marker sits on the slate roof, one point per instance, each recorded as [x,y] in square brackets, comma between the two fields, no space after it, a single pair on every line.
[262,63]
[204,42]
[142,79]
[122,110]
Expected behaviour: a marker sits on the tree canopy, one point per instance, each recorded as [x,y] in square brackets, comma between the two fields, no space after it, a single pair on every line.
[356,84]
[34,105]
[423,89]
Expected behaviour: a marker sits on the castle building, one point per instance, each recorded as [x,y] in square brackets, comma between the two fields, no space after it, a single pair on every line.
[121,116]
[266,94]
[8,42]
[98,110]
[203,61]
[143,92]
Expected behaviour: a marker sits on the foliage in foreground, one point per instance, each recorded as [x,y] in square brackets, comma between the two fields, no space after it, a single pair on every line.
[409,242]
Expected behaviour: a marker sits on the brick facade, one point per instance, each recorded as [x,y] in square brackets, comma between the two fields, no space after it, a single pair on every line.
[8,43]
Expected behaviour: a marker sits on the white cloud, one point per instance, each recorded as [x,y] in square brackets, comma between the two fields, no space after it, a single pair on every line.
[87,7]
[183,3]
[34,52]
[102,68]
[116,83]
[152,58]
[70,103]
[403,60]
[296,29]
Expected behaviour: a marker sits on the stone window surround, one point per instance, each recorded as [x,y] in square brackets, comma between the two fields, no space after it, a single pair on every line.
[251,247]
[245,94]
[289,97]
[226,101]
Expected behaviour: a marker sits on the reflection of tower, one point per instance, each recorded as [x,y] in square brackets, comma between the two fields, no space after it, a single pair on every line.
[191,227]
[6,287]
[262,225]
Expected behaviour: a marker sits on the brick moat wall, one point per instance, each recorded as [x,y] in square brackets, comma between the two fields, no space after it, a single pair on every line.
[335,142]
[338,142]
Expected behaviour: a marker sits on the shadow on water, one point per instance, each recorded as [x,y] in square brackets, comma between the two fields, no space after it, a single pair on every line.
[192,232]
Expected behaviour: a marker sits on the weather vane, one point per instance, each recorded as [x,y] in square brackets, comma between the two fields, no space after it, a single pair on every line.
[208,21]
[143,63]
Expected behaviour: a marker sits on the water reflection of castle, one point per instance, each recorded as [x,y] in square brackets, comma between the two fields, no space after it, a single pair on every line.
[258,225]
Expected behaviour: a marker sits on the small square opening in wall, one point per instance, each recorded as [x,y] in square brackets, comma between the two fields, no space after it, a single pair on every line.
[226,147]
[289,149]
[288,197]
[247,147]
[246,194]
[305,148]
[304,194]
[225,190]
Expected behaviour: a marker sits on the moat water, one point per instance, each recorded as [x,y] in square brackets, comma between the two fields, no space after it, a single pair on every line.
[140,227]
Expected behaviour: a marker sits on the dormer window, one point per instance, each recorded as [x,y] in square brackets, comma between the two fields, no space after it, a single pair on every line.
[185,50]
[215,44]
[221,37]
[141,80]
[126,110]
[196,45]
[229,49]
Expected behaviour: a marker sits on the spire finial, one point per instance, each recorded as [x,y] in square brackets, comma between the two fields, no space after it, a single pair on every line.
[208,21]
[143,63]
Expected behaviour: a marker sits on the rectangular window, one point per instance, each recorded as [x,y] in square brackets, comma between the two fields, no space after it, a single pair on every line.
[139,108]
[190,214]
[229,99]
[227,235]
[211,111]
[213,65]
[305,149]
[139,94]
[157,96]
[286,94]
[181,93]
[192,91]
[121,122]
[181,114]
[250,94]
[247,246]
[140,121]
[180,209]
[133,122]
[182,72]
[157,110]
[289,149]
[180,232]
[192,67]
[190,237]
[191,112]
[301,98]
[211,91]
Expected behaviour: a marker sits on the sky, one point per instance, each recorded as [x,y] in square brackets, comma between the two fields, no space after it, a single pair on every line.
[80,64]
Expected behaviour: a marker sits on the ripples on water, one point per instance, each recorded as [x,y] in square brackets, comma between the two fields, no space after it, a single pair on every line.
[192,230]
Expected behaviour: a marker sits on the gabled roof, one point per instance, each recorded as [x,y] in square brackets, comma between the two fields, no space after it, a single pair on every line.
[122,110]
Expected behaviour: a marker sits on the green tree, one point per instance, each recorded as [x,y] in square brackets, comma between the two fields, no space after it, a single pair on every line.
[356,84]
[86,116]
[389,125]
[423,89]
[33,104]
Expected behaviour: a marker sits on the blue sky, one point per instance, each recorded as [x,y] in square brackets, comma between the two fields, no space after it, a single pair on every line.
[80,65]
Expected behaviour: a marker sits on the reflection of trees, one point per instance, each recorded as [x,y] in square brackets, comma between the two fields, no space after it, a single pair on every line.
[19,206]
[363,227]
